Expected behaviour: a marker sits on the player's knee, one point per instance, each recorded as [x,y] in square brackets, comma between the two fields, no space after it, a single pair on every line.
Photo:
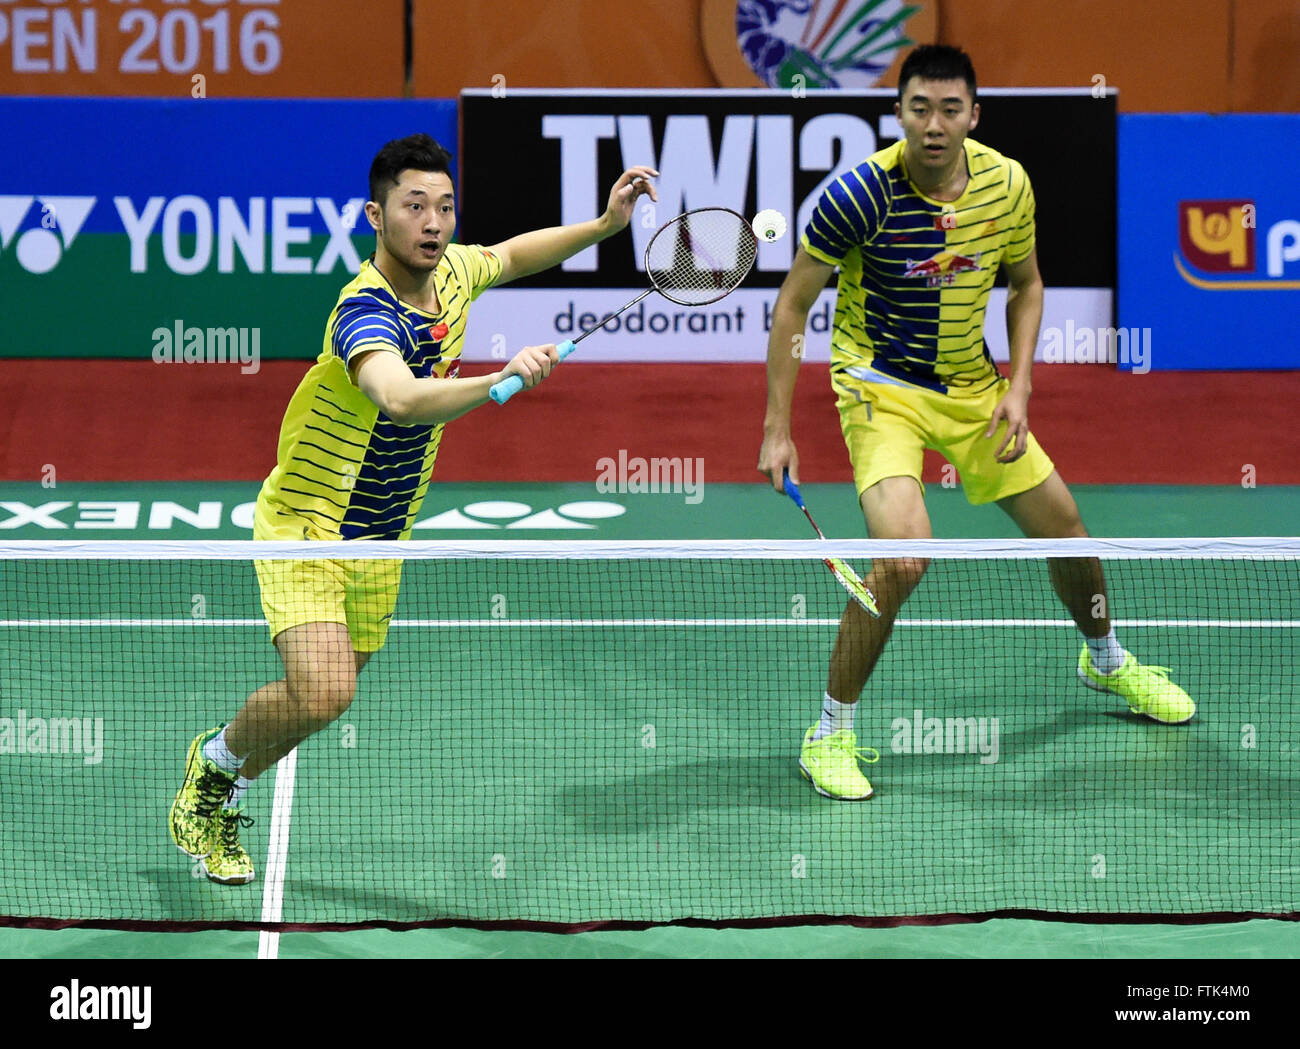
[1072,527]
[322,699]
[1065,526]
[900,576]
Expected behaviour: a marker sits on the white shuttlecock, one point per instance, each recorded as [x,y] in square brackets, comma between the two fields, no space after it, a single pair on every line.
[769,226]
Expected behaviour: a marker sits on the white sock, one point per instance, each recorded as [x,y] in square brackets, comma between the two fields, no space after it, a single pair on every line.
[835,716]
[1107,655]
[237,792]
[216,751]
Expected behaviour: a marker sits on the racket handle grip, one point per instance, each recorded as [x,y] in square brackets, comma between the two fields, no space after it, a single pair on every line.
[792,490]
[512,384]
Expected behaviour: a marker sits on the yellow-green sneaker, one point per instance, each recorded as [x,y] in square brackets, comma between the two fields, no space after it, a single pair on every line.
[832,764]
[1147,690]
[205,788]
[228,863]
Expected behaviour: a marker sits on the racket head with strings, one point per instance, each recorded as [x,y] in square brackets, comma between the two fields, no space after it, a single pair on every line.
[697,258]
[701,256]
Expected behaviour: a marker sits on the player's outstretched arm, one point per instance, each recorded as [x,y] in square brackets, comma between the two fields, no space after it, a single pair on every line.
[388,382]
[541,249]
[799,291]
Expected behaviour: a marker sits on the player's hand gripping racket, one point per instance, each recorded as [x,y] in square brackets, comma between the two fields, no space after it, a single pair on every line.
[697,258]
[845,575]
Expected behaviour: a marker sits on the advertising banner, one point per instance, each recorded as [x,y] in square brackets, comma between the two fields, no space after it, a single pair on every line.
[120,219]
[538,158]
[202,48]
[1209,239]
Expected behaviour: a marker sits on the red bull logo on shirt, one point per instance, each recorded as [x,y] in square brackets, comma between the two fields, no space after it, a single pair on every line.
[942,269]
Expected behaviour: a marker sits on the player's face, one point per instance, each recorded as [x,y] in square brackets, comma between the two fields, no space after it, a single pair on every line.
[418,219]
[936,116]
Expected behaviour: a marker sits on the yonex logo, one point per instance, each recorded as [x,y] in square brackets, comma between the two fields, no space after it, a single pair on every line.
[39,248]
[512,515]
[19,518]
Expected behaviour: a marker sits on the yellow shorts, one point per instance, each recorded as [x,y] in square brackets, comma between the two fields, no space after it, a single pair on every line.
[887,425]
[360,594]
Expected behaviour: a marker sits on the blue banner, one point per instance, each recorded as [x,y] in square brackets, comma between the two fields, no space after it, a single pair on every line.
[242,218]
[1209,241]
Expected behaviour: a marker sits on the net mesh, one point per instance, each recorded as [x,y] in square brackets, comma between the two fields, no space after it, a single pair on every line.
[701,256]
[563,734]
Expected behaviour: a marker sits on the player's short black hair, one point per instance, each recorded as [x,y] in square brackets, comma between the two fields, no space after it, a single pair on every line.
[419,152]
[937,62]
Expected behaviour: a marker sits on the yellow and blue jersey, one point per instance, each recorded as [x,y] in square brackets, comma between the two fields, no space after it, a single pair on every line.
[915,273]
[344,470]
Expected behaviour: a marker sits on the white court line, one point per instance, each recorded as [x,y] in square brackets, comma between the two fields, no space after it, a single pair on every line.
[277,854]
[1254,624]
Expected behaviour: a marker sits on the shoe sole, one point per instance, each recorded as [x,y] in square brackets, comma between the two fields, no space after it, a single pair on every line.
[171,814]
[1141,713]
[827,794]
[237,880]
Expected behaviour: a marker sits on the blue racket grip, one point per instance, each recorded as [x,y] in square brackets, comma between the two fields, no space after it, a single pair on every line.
[512,384]
[792,490]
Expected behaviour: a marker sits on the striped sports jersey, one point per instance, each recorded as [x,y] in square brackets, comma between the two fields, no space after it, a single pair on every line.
[344,469]
[915,273]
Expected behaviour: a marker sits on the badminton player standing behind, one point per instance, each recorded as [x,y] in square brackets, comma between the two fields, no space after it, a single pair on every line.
[918,231]
[356,450]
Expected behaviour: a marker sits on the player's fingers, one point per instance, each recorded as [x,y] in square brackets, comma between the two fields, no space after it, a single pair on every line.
[791,469]
[525,370]
[1022,442]
[993,422]
[639,181]
[543,360]
[533,365]
[1007,438]
[773,471]
[1013,447]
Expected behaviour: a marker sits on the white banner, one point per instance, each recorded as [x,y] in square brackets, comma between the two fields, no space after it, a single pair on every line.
[733,330]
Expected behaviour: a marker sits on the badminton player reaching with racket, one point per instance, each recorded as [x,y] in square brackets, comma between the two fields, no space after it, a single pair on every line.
[918,231]
[357,446]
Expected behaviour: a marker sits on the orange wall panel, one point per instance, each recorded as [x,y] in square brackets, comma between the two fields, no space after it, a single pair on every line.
[1162,57]
[558,43]
[1166,56]
[241,48]
[1266,56]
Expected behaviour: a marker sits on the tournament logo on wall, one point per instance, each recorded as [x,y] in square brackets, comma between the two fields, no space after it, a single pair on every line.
[809,43]
[1217,237]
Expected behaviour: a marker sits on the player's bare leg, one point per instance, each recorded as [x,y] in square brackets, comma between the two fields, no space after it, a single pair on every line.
[276,692]
[894,509]
[319,684]
[1049,511]
[830,756]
